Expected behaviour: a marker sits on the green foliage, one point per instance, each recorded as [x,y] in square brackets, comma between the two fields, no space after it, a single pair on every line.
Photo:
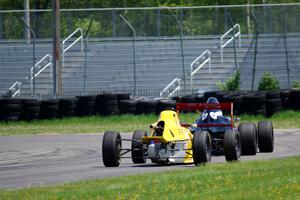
[123,123]
[268,82]
[252,180]
[295,84]
[232,83]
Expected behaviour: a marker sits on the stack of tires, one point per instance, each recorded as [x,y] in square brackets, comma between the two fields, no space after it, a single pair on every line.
[67,107]
[109,104]
[85,105]
[237,100]
[254,103]
[285,96]
[146,106]
[294,100]
[126,105]
[49,109]
[30,109]
[210,94]
[98,108]
[273,103]
[165,104]
[10,109]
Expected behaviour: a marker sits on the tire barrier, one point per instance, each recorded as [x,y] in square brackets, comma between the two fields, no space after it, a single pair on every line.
[85,105]
[10,109]
[221,95]
[273,103]
[285,95]
[67,107]
[49,109]
[124,96]
[146,106]
[189,98]
[165,104]
[237,100]
[254,103]
[294,99]
[127,106]
[30,109]
[210,94]
[110,104]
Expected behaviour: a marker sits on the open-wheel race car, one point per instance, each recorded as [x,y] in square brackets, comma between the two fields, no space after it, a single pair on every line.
[225,137]
[167,142]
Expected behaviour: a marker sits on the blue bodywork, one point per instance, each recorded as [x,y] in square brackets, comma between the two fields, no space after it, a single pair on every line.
[216,132]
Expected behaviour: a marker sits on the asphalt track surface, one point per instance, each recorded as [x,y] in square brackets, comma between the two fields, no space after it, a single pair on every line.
[27,161]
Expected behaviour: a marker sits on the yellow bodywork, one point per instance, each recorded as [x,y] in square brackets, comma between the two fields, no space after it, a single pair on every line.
[172,133]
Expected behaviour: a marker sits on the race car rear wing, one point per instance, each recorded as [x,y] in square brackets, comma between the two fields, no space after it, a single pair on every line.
[207,106]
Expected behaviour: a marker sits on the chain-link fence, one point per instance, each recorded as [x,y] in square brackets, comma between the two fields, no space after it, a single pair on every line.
[277,20]
[155,21]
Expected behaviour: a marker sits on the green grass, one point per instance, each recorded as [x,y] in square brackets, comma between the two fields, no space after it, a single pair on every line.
[124,123]
[272,179]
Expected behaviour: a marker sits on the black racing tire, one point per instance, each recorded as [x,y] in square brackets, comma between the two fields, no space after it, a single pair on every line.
[165,104]
[248,136]
[273,95]
[210,94]
[232,145]
[111,146]
[124,96]
[201,147]
[188,98]
[138,152]
[265,136]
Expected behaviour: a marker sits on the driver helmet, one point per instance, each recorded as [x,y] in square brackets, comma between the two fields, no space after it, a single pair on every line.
[213,113]
[212,100]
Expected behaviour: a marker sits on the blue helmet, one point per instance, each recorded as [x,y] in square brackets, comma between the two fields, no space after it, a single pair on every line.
[212,100]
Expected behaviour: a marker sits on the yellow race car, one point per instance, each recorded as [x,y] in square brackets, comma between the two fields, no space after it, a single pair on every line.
[167,142]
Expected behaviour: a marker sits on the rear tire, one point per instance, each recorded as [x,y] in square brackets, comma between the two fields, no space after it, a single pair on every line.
[201,147]
[232,145]
[111,146]
[265,136]
[138,152]
[248,136]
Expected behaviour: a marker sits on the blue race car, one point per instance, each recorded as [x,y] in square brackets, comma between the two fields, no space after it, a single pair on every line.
[223,136]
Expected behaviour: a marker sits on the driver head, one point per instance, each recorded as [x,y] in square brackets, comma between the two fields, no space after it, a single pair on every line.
[212,100]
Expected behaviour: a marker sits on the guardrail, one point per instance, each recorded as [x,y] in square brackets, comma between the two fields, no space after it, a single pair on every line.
[41,68]
[235,34]
[15,89]
[66,48]
[167,90]
[205,55]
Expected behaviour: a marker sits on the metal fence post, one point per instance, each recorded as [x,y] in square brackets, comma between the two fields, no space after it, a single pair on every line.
[113,21]
[255,50]
[85,54]
[134,56]
[233,34]
[32,74]
[158,21]
[182,50]
[286,48]
[225,19]
[1,26]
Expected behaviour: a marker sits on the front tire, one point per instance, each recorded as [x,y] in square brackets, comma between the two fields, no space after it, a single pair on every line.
[111,147]
[232,145]
[265,136]
[201,147]
[248,136]
[138,152]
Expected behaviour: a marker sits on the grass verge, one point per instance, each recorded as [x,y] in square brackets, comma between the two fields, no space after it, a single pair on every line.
[123,123]
[269,179]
